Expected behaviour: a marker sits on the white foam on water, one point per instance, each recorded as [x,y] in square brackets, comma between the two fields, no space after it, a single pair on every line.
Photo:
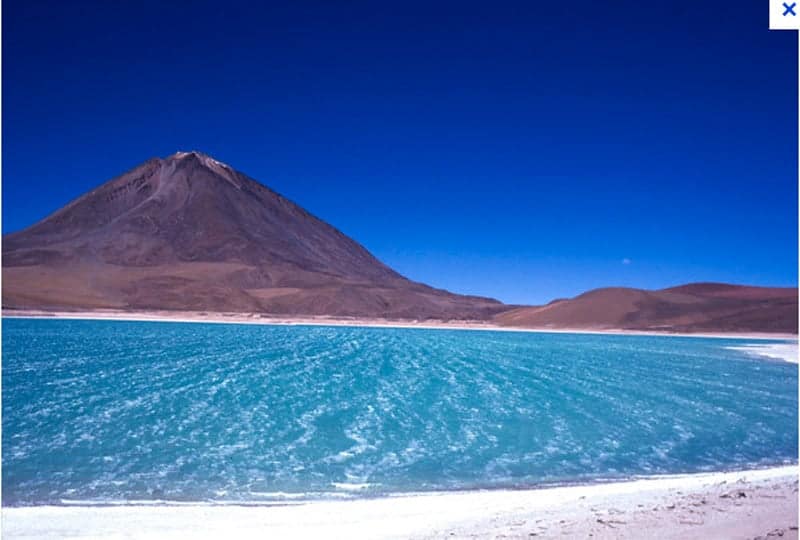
[277,495]
[787,352]
[347,486]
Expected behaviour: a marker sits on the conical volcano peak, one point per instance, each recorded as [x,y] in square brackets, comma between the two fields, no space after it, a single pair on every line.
[187,165]
[188,232]
[203,158]
[187,154]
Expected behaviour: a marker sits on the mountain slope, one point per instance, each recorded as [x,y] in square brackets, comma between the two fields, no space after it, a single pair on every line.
[190,233]
[696,307]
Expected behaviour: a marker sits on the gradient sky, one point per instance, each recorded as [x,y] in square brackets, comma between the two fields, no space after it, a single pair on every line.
[520,150]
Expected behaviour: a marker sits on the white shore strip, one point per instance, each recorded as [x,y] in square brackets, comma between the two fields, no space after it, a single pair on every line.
[257,319]
[715,505]
[788,352]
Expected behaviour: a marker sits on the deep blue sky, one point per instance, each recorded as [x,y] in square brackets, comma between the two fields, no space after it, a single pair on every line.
[524,151]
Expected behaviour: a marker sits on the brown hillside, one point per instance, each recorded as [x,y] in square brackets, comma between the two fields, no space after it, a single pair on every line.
[697,307]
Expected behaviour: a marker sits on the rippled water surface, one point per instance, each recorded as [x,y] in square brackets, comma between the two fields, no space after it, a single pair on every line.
[99,411]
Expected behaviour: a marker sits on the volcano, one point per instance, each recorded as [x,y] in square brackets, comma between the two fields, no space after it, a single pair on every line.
[190,233]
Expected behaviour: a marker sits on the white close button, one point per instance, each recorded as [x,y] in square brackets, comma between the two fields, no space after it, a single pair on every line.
[784,14]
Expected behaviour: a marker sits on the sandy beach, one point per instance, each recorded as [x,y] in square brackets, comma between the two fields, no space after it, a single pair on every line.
[734,505]
[257,318]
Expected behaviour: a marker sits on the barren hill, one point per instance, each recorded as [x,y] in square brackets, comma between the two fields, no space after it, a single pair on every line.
[697,307]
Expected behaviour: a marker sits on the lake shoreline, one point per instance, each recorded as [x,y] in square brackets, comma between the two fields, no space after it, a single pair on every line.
[260,319]
[743,504]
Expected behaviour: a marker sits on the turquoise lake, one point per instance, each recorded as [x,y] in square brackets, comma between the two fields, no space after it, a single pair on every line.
[115,411]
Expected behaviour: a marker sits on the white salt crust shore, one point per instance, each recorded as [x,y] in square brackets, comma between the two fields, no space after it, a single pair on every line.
[257,319]
[730,505]
[788,352]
